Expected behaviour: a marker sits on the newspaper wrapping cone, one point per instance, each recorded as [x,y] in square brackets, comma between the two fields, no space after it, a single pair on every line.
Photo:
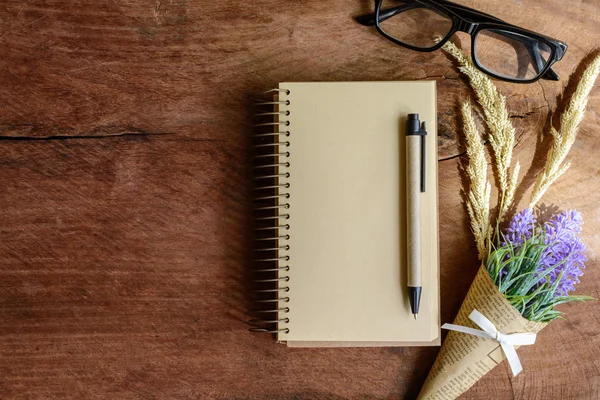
[463,358]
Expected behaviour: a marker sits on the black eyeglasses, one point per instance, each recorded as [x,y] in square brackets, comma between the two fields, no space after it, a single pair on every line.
[498,48]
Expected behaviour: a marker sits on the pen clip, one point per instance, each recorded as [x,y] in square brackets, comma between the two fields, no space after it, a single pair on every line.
[423,134]
[415,127]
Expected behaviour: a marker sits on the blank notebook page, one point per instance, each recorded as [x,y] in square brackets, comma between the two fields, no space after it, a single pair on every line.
[347,214]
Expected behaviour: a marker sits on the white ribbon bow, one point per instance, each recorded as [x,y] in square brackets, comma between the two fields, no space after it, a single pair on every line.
[507,341]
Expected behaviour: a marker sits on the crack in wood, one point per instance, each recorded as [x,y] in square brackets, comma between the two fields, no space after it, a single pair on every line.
[544,94]
[66,137]
[530,112]
[452,157]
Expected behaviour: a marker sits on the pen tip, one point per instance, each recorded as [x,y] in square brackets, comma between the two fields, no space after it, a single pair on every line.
[415,315]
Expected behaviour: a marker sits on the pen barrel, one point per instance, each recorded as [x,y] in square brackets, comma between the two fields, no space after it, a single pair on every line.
[413,209]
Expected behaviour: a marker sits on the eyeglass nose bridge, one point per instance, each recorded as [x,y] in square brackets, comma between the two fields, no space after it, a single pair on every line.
[466,26]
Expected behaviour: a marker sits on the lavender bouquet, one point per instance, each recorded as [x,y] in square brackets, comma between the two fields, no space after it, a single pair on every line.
[537,266]
[527,268]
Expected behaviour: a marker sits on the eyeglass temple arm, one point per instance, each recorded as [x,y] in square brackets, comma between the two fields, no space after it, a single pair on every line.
[369,20]
[471,12]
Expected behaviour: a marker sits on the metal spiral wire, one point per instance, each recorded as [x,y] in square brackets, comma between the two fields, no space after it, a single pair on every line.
[271,210]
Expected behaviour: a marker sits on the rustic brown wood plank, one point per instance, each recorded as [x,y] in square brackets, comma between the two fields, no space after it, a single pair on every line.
[124,198]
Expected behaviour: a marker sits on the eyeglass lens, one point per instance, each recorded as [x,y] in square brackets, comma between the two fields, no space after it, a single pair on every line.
[416,26]
[511,55]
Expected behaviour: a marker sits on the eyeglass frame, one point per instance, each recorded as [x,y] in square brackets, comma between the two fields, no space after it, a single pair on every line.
[460,23]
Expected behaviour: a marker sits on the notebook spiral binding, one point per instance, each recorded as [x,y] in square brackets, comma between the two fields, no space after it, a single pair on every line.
[270,184]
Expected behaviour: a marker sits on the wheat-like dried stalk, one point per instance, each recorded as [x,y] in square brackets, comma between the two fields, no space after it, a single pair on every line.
[512,188]
[502,133]
[478,196]
[563,139]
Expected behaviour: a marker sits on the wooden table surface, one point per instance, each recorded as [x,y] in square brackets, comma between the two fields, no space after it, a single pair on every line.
[124,198]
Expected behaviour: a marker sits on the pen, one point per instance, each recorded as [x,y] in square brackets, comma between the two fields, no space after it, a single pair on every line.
[415,184]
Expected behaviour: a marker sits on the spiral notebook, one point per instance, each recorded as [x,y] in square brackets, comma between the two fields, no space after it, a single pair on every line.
[330,195]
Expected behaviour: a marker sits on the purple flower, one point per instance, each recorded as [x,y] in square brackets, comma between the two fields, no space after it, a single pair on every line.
[565,251]
[520,228]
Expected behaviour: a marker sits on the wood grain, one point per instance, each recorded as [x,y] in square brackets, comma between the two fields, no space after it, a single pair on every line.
[124,198]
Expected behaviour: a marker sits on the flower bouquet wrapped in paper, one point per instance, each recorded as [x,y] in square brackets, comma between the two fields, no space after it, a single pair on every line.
[527,268]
